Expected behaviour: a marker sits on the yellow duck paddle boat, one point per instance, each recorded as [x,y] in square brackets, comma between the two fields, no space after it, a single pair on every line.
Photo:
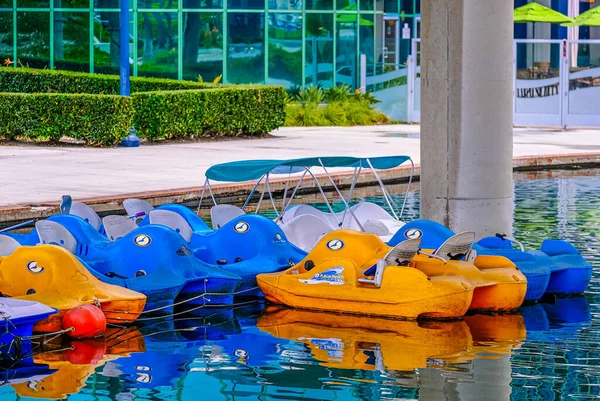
[499,285]
[366,342]
[332,278]
[53,276]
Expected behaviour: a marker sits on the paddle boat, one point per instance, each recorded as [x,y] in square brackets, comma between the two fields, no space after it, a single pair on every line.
[52,276]
[17,319]
[557,269]
[153,260]
[354,272]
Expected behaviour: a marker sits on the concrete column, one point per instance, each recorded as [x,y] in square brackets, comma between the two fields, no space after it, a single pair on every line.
[467,114]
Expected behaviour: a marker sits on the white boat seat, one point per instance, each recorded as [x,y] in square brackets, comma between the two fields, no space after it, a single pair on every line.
[223,214]
[8,245]
[457,247]
[305,231]
[311,210]
[118,226]
[134,206]
[50,232]
[382,227]
[400,255]
[365,211]
[174,221]
[87,213]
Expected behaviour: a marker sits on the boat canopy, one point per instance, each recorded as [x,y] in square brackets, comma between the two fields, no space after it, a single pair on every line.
[248,170]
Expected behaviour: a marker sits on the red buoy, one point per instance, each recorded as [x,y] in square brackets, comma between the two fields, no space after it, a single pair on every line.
[87,352]
[88,321]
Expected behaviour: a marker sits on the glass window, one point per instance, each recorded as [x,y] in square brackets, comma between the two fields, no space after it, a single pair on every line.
[319,4]
[71,3]
[106,42]
[202,46]
[6,37]
[246,4]
[157,4]
[391,6]
[367,5]
[157,44]
[285,5]
[417,6]
[6,4]
[407,7]
[72,41]
[33,3]
[245,48]
[367,39]
[347,5]
[33,39]
[200,4]
[285,49]
[319,49]
[346,57]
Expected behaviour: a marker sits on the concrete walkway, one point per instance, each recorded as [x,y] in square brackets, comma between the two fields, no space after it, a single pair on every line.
[32,174]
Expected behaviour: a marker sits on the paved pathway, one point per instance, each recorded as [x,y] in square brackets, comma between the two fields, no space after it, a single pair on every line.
[31,174]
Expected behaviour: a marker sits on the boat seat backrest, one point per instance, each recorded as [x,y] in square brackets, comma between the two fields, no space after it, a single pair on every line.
[53,233]
[305,231]
[134,206]
[118,226]
[311,210]
[223,214]
[457,246]
[403,253]
[172,220]
[366,211]
[7,245]
[86,213]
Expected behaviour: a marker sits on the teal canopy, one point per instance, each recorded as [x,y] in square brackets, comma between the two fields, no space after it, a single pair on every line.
[251,170]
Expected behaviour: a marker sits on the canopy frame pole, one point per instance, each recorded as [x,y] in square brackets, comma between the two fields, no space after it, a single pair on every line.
[211,192]
[343,199]
[324,196]
[386,195]
[285,190]
[202,196]
[357,171]
[296,188]
[412,172]
[262,196]
[252,192]
[268,185]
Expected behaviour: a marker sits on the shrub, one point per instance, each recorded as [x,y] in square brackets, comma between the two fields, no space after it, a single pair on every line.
[98,119]
[251,109]
[351,112]
[28,80]
[337,93]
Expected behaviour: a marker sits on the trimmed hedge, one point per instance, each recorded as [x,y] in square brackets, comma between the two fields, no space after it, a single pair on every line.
[100,120]
[248,109]
[29,80]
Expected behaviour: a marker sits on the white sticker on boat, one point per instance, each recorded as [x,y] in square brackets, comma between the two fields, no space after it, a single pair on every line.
[142,240]
[332,276]
[335,244]
[241,227]
[413,233]
[34,267]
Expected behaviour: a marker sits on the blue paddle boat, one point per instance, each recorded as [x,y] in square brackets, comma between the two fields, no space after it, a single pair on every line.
[246,246]
[153,260]
[557,268]
[17,318]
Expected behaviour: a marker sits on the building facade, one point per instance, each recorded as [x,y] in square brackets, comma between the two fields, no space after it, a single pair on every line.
[285,42]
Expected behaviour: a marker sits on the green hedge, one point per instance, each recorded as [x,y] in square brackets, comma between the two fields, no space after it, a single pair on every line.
[29,80]
[100,120]
[247,109]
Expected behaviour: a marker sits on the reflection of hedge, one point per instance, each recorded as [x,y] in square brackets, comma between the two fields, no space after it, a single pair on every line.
[248,109]
[98,119]
[30,80]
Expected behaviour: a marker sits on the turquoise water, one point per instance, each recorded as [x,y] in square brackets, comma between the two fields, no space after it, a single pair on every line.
[547,351]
